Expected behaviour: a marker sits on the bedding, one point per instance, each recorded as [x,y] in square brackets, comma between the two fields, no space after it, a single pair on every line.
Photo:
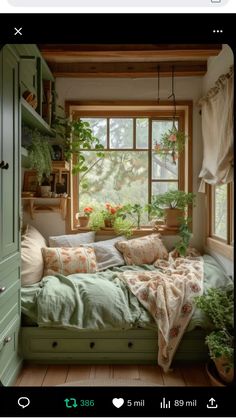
[168,295]
[106,253]
[143,249]
[31,256]
[68,260]
[102,301]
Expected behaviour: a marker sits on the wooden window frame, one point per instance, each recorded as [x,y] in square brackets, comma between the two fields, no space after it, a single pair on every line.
[217,244]
[137,109]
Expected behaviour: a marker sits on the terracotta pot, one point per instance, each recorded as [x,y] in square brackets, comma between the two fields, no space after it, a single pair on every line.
[172,217]
[83,221]
[213,375]
[108,223]
[226,376]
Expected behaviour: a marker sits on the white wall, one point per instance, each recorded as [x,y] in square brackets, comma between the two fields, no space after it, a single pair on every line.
[216,67]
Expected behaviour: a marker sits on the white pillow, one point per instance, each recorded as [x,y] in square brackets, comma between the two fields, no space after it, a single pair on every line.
[72,240]
[106,253]
[31,256]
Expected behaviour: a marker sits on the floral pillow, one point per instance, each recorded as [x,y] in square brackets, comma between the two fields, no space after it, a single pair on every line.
[69,260]
[145,249]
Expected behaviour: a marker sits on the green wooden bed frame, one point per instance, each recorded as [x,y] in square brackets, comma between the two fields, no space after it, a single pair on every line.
[133,346]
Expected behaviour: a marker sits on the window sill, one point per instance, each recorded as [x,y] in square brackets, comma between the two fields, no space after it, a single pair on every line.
[136,232]
[217,246]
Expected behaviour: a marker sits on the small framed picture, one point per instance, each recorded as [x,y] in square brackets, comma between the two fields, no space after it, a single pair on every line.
[30,181]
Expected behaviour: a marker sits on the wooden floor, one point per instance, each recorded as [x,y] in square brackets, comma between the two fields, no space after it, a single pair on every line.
[52,375]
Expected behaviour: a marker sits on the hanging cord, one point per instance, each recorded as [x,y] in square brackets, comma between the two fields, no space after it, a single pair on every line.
[172,95]
[158,84]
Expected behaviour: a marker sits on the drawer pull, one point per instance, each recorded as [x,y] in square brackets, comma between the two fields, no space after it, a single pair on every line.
[7,339]
[2,289]
[54,344]
[92,344]
[130,344]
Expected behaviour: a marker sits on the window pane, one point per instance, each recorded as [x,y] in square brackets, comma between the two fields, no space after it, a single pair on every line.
[142,132]
[162,187]
[99,128]
[159,128]
[163,167]
[220,227]
[121,177]
[121,133]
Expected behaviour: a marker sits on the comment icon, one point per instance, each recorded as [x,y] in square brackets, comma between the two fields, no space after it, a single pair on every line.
[23,402]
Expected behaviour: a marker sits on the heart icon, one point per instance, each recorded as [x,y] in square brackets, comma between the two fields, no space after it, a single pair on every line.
[118,402]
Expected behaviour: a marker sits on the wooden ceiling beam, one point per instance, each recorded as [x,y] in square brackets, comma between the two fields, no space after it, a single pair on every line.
[122,51]
[132,70]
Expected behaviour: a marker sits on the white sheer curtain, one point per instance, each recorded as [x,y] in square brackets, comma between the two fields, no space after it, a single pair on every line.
[217,131]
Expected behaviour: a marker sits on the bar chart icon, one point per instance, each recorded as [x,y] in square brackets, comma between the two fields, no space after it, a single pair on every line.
[165,404]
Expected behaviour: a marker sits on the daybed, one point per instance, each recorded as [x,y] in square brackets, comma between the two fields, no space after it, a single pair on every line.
[94,318]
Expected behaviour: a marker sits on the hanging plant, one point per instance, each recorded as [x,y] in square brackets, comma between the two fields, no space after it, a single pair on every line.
[173,141]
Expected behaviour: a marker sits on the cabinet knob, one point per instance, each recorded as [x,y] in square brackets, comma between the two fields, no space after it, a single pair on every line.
[2,289]
[130,344]
[4,165]
[92,344]
[54,344]
[7,339]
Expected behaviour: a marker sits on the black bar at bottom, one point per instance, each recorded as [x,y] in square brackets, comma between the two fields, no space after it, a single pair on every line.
[131,401]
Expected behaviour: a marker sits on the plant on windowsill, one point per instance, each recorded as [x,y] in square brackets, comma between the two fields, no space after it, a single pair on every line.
[218,305]
[83,217]
[172,205]
[112,217]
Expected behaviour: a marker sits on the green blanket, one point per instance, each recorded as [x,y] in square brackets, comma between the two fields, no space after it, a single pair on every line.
[101,301]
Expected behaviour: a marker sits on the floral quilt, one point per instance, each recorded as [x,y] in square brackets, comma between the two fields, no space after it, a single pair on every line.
[168,295]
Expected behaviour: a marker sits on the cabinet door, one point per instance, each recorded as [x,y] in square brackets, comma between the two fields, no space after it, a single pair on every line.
[10,136]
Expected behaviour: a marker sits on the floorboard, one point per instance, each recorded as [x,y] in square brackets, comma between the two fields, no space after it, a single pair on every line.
[53,375]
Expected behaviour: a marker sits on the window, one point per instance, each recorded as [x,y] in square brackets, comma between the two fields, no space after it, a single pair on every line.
[221,209]
[131,171]
[220,217]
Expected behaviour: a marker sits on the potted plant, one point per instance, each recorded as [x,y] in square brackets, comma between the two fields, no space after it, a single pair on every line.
[39,154]
[75,136]
[218,305]
[185,235]
[172,205]
[83,217]
[172,141]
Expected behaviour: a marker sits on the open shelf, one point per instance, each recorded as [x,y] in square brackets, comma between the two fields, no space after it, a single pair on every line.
[31,118]
[35,205]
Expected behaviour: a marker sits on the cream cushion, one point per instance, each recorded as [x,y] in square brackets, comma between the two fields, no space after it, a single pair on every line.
[69,260]
[72,240]
[31,256]
[143,250]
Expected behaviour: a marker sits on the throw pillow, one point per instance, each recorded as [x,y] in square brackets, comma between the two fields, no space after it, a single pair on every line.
[106,253]
[31,256]
[145,249]
[72,240]
[68,260]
